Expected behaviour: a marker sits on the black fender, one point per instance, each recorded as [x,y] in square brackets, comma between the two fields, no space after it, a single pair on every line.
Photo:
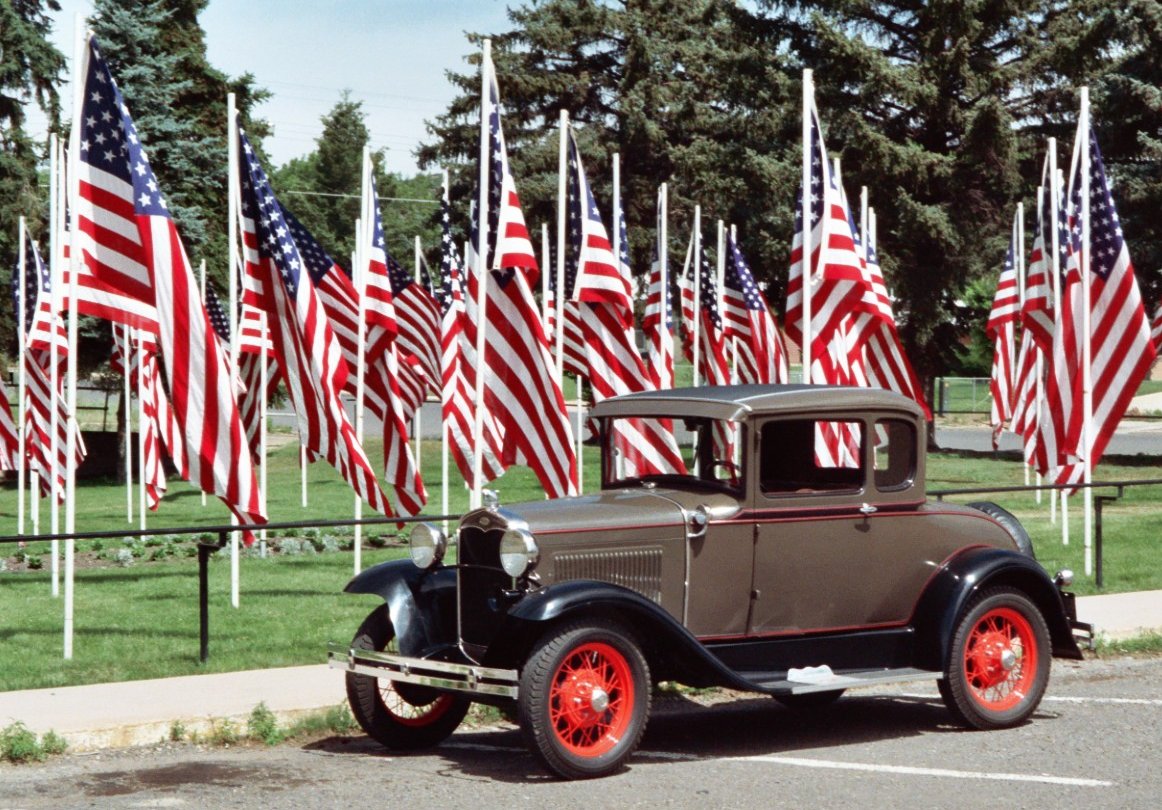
[1008,522]
[966,574]
[673,652]
[420,603]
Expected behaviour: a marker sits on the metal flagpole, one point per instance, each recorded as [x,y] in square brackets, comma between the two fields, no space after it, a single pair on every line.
[580,428]
[1087,338]
[698,281]
[720,265]
[444,450]
[482,279]
[1020,263]
[733,340]
[22,382]
[79,59]
[1055,286]
[808,102]
[547,264]
[202,283]
[233,204]
[562,204]
[138,334]
[663,257]
[55,215]
[416,423]
[127,394]
[263,447]
[363,230]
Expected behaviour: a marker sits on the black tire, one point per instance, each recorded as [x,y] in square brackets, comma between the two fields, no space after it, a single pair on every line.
[584,698]
[810,700]
[1010,523]
[400,716]
[998,663]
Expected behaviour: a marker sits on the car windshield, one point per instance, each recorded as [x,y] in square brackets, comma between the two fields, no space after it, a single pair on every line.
[694,452]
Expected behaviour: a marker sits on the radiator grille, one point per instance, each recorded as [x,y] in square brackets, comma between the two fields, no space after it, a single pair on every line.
[638,569]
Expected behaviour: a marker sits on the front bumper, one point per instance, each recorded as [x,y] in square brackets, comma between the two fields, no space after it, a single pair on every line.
[1082,631]
[445,675]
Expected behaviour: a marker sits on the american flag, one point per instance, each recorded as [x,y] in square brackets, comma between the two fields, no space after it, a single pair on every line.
[572,341]
[379,311]
[458,377]
[9,438]
[418,319]
[613,363]
[1156,329]
[307,348]
[520,387]
[687,292]
[761,357]
[712,344]
[1121,348]
[657,320]
[131,244]
[1001,331]
[833,266]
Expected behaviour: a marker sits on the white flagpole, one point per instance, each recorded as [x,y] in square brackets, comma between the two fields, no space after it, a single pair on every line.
[444,451]
[663,258]
[363,230]
[302,472]
[1087,338]
[263,447]
[698,282]
[22,383]
[614,221]
[546,262]
[55,215]
[733,340]
[79,59]
[562,206]
[127,393]
[140,426]
[417,423]
[1020,267]
[1055,281]
[233,204]
[808,101]
[580,434]
[720,266]
[202,284]
[482,279]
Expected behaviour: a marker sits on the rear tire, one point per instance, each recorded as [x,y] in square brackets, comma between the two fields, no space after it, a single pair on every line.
[402,717]
[998,664]
[584,699]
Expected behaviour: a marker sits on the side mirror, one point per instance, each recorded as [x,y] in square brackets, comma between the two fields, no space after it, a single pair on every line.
[697,521]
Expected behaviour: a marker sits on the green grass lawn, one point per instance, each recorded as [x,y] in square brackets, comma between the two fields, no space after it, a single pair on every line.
[141,621]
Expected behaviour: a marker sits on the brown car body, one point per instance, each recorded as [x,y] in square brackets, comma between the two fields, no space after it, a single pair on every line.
[766,561]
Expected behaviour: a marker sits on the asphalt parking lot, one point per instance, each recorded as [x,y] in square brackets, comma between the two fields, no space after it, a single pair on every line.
[1092,743]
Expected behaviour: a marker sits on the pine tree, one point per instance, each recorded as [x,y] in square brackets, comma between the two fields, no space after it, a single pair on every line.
[30,72]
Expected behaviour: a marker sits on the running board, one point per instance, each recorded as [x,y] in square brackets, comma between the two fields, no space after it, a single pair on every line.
[839,680]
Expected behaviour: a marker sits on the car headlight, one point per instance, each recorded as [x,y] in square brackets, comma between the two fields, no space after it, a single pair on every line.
[518,552]
[427,545]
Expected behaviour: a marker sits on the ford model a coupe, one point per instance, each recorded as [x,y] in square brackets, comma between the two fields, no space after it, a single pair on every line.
[780,543]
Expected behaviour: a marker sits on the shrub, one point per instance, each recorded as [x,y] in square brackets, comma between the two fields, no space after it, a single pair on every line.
[53,743]
[223,732]
[177,731]
[34,562]
[290,546]
[375,541]
[96,545]
[125,557]
[263,725]
[328,544]
[18,744]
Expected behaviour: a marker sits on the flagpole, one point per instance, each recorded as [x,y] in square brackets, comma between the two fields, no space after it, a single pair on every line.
[140,426]
[733,339]
[720,264]
[233,200]
[663,271]
[562,204]
[698,281]
[127,395]
[444,428]
[54,249]
[580,428]
[1020,267]
[202,286]
[363,235]
[808,99]
[416,423]
[74,256]
[482,279]
[546,262]
[22,381]
[1055,282]
[1087,338]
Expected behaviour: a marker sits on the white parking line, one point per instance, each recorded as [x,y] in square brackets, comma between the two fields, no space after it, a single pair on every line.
[1064,699]
[910,771]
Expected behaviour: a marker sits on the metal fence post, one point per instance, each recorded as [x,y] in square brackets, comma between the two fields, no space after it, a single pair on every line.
[204,552]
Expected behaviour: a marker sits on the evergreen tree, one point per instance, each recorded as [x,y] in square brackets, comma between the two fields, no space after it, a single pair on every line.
[694,94]
[30,71]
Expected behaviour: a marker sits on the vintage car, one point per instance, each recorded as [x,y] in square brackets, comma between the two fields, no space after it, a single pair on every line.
[791,552]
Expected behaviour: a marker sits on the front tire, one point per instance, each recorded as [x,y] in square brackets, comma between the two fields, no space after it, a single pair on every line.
[584,699]
[403,716]
[998,666]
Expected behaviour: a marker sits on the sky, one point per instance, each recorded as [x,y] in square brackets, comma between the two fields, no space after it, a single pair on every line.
[391,54]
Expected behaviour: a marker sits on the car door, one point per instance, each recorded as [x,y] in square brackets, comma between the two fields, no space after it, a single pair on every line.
[833,509]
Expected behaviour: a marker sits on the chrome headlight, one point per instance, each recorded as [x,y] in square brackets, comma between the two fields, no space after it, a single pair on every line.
[427,545]
[518,552]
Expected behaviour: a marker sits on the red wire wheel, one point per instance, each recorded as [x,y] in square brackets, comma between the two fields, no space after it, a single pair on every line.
[584,699]
[998,667]
[400,716]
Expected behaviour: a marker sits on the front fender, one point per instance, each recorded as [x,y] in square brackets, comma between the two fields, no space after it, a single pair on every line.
[967,574]
[673,652]
[421,603]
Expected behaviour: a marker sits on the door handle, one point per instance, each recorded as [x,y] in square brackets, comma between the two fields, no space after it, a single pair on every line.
[868,509]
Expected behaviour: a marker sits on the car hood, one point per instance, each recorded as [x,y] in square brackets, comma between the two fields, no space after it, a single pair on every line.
[607,510]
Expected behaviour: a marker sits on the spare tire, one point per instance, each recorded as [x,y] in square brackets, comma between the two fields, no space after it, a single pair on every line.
[1011,524]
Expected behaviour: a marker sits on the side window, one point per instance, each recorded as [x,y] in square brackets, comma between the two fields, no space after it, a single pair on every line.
[895,456]
[810,455]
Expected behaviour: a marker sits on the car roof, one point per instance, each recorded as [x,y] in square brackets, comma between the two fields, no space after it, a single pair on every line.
[736,402]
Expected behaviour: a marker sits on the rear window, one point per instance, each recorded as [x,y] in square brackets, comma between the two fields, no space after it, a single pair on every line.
[895,456]
[811,455]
